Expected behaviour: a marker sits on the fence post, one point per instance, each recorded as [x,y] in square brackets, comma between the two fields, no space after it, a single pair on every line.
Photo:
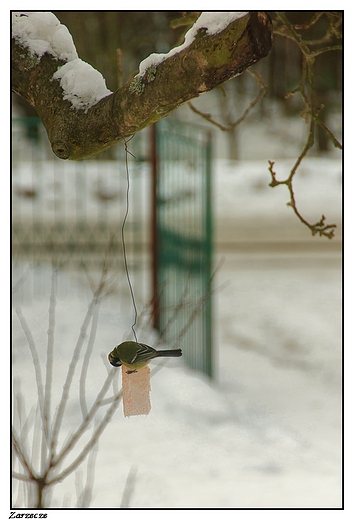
[153,232]
[209,244]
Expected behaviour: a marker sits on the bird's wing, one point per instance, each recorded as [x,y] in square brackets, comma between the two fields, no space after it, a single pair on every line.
[144,352]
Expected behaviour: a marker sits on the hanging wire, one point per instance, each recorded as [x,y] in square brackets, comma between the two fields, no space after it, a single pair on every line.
[123,237]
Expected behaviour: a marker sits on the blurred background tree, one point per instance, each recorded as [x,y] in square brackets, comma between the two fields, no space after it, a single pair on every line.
[98,34]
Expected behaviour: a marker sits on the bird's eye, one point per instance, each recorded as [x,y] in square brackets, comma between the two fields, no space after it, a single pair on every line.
[115,362]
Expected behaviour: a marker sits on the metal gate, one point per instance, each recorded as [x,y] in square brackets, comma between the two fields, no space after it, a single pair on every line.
[183,240]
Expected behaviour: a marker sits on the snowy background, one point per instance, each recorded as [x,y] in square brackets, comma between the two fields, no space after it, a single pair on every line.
[266,433]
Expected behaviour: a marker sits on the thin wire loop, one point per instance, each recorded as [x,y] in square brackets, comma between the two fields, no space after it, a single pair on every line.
[123,238]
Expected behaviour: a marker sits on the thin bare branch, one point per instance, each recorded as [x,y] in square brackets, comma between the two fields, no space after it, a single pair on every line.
[332,137]
[49,370]
[208,117]
[75,437]
[86,449]
[129,487]
[319,227]
[24,459]
[74,362]
[310,23]
[310,112]
[19,476]
[85,498]
[35,358]
[226,128]
[86,360]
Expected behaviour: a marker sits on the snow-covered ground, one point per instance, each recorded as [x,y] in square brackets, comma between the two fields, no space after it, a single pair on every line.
[267,432]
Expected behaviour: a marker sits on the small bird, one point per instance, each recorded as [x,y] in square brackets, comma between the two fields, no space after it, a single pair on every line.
[136,355]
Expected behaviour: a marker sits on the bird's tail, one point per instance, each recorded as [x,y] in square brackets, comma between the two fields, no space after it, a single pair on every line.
[177,352]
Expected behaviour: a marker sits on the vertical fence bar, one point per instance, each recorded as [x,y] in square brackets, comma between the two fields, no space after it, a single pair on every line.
[153,232]
[182,240]
[208,271]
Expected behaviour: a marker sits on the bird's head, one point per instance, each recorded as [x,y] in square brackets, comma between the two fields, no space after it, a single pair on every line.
[114,359]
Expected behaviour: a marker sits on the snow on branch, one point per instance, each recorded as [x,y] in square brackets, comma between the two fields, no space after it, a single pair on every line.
[83,118]
[213,23]
[41,33]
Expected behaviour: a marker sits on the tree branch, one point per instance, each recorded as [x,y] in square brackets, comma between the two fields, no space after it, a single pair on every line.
[210,60]
[226,128]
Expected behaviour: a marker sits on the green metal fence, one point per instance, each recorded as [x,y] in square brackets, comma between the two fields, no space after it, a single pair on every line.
[74,208]
[183,236]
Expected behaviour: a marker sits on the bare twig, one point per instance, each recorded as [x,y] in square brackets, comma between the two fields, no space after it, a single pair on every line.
[319,227]
[74,362]
[75,437]
[310,113]
[68,381]
[49,370]
[24,459]
[86,360]
[24,478]
[226,128]
[35,358]
[85,497]
[129,487]
[86,449]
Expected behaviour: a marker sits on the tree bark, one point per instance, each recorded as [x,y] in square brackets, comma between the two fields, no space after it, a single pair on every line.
[209,61]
